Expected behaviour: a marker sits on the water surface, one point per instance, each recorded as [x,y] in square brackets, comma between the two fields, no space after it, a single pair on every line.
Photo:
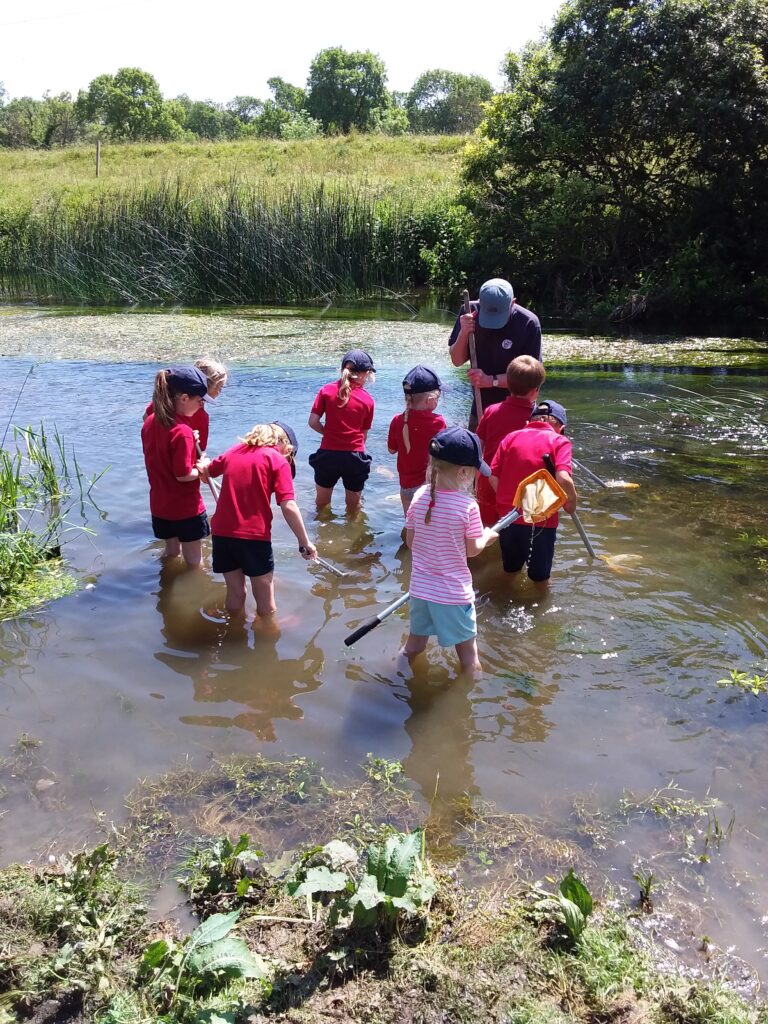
[605,684]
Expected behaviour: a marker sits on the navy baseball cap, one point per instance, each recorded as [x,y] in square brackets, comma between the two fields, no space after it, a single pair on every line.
[550,408]
[495,303]
[460,447]
[187,380]
[361,361]
[420,380]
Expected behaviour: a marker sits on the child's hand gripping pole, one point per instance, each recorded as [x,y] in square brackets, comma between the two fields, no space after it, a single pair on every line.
[376,620]
[211,483]
[547,459]
[473,359]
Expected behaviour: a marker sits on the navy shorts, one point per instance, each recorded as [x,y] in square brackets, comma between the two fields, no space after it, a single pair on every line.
[253,557]
[352,468]
[187,530]
[532,544]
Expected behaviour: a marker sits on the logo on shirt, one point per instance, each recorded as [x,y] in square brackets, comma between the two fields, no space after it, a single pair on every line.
[507,343]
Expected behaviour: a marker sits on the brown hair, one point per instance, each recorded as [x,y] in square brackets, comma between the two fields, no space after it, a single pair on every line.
[163,402]
[524,374]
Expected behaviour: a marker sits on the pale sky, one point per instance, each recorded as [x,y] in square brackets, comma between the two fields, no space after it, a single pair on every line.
[217,49]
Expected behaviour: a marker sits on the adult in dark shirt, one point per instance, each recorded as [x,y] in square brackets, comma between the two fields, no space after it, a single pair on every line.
[503,330]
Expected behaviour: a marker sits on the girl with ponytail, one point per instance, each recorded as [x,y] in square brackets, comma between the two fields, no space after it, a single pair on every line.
[443,530]
[170,457]
[411,431]
[347,409]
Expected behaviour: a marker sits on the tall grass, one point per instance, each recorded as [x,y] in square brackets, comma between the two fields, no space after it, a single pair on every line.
[237,243]
[40,489]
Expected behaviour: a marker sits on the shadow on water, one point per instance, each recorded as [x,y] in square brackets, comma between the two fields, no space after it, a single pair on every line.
[604,684]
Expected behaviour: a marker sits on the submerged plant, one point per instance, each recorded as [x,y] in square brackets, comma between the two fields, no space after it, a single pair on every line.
[379,769]
[747,682]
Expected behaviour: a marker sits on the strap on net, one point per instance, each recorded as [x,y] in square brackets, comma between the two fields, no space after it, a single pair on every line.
[539,496]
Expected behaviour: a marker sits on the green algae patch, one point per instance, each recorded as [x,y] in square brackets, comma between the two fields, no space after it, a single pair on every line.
[49,581]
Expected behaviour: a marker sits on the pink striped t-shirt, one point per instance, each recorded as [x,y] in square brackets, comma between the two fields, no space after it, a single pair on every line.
[439,570]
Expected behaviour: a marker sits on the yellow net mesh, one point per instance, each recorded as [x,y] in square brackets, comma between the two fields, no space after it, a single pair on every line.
[539,496]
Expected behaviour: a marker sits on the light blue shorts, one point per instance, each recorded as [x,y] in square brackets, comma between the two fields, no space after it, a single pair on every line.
[451,623]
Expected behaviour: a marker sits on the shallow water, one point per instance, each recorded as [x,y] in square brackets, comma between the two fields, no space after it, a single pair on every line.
[607,683]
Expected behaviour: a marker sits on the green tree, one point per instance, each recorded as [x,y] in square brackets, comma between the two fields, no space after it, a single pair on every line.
[22,123]
[445,102]
[630,153]
[344,88]
[245,108]
[286,96]
[128,106]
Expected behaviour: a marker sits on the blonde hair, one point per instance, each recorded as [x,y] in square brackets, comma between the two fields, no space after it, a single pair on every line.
[267,435]
[163,400]
[420,401]
[215,372]
[449,477]
[348,375]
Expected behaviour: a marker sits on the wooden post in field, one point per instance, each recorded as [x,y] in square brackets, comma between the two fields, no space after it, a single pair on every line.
[98,157]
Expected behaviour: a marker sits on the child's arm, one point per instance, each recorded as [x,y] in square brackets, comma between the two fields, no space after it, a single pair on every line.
[477,544]
[292,516]
[316,423]
[566,482]
[494,482]
[409,538]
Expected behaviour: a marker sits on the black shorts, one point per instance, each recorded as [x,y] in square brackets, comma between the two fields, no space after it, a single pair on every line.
[352,468]
[532,544]
[253,557]
[186,530]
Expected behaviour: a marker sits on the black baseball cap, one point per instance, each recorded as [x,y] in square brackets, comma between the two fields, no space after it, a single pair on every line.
[289,433]
[460,447]
[187,380]
[420,380]
[361,361]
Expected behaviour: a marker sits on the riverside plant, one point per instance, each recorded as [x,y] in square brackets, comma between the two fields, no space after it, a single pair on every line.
[237,242]
[41,486]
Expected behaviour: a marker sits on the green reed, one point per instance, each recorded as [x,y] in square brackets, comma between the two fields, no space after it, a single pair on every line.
[229,243]
[40,488]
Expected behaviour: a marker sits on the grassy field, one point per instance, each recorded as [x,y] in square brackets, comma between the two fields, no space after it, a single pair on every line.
[427,165]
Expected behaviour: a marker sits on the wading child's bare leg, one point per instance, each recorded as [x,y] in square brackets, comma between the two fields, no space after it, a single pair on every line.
[468,658]
[264,594]
[323,496]
[235,599]
[192,550]
[352,499]
[172,548]
[414,645]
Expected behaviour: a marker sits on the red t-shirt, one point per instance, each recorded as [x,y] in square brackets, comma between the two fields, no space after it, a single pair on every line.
[345,425]
[198,421]
[521,454]
[496,422]
[251,476]
[423,424]
[169,452]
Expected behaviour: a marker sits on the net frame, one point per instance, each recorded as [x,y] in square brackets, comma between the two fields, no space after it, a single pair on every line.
[539,496]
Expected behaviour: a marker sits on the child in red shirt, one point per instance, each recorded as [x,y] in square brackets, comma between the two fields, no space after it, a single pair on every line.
[411,431]
[525,375]
[178,512]
[348,411]
[253,470]
[216,375]
[520,454]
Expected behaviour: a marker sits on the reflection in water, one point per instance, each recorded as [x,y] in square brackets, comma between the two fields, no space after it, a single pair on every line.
[231,661]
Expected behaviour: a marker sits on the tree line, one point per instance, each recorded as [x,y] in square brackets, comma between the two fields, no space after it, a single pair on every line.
[345,90]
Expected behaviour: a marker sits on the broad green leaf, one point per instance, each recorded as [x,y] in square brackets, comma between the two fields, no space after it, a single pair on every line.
[155,953]
[242,844]
[243,886]
[574,890]
[368,894]
[229,954]
[212,929]
[377,863]
[575,921]
[319,879]
[406,903]
[424,889]
[403,852]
